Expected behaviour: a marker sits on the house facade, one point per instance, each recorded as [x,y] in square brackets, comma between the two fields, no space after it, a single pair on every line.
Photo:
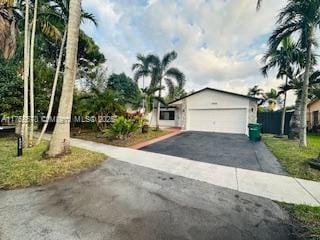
[210,110]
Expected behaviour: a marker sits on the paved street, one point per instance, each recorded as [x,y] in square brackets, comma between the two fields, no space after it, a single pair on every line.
[124,201]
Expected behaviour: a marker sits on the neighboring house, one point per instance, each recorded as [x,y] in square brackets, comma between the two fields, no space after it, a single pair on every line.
[210,110]
[313,115]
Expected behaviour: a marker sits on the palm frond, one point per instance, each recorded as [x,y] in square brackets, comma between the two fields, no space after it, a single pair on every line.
[177,75]
[138,74]
[168,58]
[136,66]
[85,16]
[51,31]
[170,87]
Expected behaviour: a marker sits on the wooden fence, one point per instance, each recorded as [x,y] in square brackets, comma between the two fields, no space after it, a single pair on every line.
[271,122]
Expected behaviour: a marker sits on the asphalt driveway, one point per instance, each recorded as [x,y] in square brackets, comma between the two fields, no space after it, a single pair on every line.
[233,150]
[121,201]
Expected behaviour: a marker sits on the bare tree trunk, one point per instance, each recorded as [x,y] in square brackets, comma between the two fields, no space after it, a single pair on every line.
[60,141]
[33,36]
[295,120]
[26,76]
[304,100]
[158,108]
[54,86]
[283,118]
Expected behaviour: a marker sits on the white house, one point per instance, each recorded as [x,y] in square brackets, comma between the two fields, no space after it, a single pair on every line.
[210,110]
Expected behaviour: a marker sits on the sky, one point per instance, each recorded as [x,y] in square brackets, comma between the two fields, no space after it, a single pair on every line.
[219,42]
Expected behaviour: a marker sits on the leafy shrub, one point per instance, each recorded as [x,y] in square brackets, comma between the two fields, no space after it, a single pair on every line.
[122,127]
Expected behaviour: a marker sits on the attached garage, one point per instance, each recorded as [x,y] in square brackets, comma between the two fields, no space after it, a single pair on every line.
[211,110]
[218,120]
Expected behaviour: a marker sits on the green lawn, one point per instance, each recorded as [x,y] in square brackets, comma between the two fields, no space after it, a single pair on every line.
[32,169]
[293,158]
[309,218]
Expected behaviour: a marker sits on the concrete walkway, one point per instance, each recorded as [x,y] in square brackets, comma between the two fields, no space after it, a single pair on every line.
[275,187]
[173,132]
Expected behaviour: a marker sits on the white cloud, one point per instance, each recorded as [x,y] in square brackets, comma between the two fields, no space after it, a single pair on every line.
[220,43]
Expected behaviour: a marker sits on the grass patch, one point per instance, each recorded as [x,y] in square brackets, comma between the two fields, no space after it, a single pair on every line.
[31,169]
[293,158]
[136,138]
[308,217]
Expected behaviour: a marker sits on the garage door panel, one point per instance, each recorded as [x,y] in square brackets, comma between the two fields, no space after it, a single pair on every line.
[218,120]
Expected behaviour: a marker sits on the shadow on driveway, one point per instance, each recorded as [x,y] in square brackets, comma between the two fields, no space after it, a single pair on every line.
[234,150]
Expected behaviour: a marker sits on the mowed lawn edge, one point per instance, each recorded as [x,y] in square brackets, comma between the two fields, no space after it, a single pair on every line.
[33,170]
[293,158]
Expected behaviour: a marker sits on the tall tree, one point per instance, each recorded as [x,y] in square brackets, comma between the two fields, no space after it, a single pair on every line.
[26,65]
[283,58]
[160,72]
[60,8]
[33,36]
[54,87]
[302,17]
[60,141]
[141,70]
[127,89]
[271,97]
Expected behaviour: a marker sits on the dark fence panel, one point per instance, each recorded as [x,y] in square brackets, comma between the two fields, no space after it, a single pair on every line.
[271,122]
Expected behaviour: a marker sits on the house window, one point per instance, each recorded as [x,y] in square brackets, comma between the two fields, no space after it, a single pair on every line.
[167,115]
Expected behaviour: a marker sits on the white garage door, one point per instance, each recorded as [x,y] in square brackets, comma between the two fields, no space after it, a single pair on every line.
[218,120]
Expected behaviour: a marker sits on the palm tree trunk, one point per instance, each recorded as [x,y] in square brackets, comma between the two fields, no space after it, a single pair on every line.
[143,97]
[304,99]
[60,141]
[33,36]
[295,120]
[158,108]
[54,86]
[26,76]
[283,118]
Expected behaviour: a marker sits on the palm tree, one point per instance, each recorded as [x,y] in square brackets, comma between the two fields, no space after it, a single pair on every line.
[160,71]
[54,86]
[150,97]
[60,141]
[60,14]
[296,83]
[7,29]
[33,35]
[302,17]
[141,69]
[283,58]
[100,102]
[271,97]
[26,76]
[257,92]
